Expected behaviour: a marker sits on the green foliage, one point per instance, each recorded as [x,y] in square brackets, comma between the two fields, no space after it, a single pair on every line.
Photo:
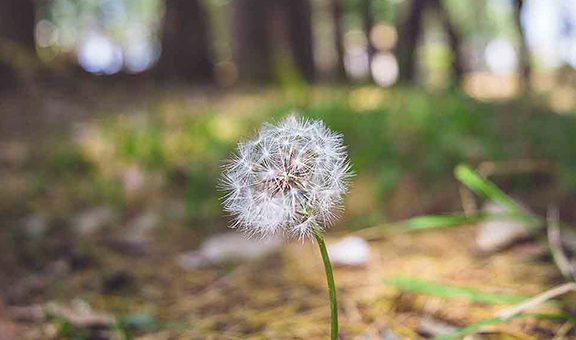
[485,188]
[66,158]
[428,222]
[201,198]
[66,330]
[452,292]
[390,133]
[409,131]
[442,221]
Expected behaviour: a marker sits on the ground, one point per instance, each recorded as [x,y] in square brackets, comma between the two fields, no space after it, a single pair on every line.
[76,245]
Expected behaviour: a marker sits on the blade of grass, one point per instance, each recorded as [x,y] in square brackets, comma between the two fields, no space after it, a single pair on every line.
[485,188]
[430,222]
[475,327]
[454,220]
[441,290]
[442,221]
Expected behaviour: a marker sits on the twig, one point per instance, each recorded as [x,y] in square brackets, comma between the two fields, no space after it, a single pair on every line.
[537,300]
[467,199]
[555,242]
[564,329]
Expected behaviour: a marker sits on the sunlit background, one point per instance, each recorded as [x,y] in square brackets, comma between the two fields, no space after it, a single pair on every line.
[111,36]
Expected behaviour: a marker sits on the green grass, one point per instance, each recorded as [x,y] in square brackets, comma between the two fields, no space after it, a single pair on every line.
[428,222]
[452,292]
[442,221]
[485,188]
[391,134]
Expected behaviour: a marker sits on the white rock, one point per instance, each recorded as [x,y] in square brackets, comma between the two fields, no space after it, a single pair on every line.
[495,234]
[350,251]
[227,247]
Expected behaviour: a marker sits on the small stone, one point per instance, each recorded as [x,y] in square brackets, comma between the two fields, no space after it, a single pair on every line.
[227,247]
[350,251]
[497,234]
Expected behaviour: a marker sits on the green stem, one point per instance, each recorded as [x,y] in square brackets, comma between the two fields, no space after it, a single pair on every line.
[330,279]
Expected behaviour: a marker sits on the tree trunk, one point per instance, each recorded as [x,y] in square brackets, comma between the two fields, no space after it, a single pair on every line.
[299,22]
[409,30]
[454,41]
[336,9]
[524,53]
[251,42]
[264,29]
[368,24]
[17,24]
[186,53]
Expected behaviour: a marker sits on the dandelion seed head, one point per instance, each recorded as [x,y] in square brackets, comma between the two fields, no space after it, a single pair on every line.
[289,178]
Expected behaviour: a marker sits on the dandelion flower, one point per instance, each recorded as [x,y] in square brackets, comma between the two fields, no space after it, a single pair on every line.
[290,180]
[287,180]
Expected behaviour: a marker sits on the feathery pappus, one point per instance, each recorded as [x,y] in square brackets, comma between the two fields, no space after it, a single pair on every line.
[288,180]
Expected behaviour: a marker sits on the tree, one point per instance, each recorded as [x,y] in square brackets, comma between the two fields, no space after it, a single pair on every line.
[186,54]
[336,9]
[251,41]
[299,21]
[454,41]
[368,24]
[524,53]
[17,43]
[409,32]
[262,28]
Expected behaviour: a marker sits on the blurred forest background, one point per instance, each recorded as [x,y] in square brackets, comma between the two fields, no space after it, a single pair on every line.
[116,115]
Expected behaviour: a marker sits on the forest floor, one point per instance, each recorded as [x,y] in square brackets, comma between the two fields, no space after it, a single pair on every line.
[135,270]
[282,295]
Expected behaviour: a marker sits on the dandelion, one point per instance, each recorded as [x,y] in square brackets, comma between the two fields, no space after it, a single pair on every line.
[289,180]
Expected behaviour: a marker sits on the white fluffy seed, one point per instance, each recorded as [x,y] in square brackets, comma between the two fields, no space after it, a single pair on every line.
[289,178]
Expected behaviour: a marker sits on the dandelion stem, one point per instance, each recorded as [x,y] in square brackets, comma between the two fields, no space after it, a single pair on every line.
[330,280]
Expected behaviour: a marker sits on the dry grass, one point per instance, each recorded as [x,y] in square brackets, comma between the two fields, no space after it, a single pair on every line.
[285,297]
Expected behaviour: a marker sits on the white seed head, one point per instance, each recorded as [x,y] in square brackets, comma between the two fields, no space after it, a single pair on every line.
[287,179]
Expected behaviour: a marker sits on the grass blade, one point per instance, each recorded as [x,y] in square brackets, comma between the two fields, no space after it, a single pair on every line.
[485,188]
[437,289]
[442,221]
[427,222]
